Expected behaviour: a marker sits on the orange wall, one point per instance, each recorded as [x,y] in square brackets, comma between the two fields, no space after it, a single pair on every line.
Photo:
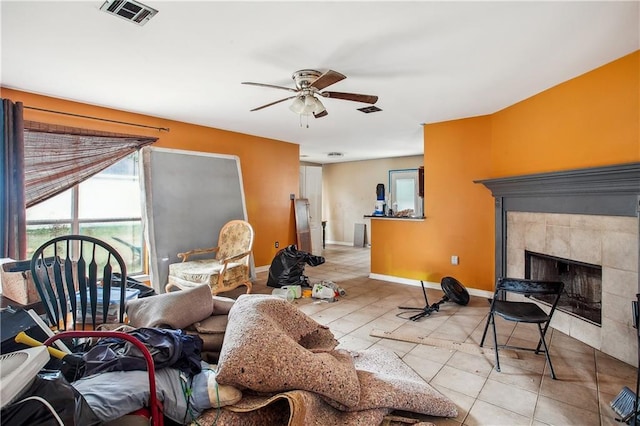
[270,168]
[591,120]
[459,213]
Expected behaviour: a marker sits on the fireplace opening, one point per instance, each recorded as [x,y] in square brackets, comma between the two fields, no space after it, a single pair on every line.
[582,295]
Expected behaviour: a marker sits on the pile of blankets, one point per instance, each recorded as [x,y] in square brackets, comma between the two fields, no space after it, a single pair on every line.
[194,310]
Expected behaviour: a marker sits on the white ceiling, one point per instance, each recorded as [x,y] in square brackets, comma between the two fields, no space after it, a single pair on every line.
[427,61]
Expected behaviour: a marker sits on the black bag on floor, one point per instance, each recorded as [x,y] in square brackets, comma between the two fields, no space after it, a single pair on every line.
[287,267]
[67,403]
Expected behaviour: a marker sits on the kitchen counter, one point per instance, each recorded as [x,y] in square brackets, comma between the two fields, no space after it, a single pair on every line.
[393,217]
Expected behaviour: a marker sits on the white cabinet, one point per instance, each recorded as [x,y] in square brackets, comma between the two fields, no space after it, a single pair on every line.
[311,189]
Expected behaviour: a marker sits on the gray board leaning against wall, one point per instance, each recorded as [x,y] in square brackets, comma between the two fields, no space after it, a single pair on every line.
[189,196]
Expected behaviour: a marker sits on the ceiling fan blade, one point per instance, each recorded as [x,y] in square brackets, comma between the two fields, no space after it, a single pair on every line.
[273,103]
[270,85]
[321,114]
[367,99]
[327,79]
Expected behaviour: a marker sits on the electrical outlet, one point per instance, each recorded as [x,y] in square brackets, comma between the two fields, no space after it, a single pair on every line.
[277,244]
[454,260]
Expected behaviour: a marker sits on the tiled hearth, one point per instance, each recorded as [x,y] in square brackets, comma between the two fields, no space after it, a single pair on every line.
[609,241]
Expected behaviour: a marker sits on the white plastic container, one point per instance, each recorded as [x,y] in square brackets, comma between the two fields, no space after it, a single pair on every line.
[297,290]
[284,293]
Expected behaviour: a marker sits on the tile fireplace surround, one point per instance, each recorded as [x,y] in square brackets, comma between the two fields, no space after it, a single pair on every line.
[587,215]
[609,241]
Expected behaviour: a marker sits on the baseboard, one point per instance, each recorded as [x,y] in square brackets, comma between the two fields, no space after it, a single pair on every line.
[427,284]
[264,268]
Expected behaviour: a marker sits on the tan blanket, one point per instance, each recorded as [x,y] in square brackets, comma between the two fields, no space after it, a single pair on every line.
[177,309]
[291,373]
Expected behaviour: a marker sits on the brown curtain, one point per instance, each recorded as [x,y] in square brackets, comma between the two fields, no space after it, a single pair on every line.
[42,160]
[12,212]
[57,158]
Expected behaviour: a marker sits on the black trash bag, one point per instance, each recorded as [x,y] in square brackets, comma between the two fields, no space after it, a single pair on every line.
[287,267]
[145,290]
[66,401]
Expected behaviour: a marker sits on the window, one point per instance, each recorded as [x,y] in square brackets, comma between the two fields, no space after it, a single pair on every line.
[404,186]
[106,206]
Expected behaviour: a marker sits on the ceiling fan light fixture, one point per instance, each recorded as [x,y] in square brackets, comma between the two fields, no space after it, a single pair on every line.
[319,107]
[298,105]
[309,105]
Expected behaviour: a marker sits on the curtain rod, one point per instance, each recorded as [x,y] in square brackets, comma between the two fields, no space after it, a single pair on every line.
[160,129]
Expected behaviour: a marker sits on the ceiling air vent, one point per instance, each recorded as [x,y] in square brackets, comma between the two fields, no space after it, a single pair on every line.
[130,10]
[369,109]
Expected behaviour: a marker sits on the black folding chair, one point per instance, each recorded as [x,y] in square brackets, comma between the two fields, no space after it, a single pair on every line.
[523,311]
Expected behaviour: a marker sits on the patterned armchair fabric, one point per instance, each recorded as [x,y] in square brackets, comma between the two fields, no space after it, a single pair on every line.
[228,270]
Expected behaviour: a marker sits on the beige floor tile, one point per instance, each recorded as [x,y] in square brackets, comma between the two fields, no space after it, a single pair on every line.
[587,379]
[539,423]
[476,364]
[353,343]
[432,353]
[613,385]
[509,397]
[463,402]
[614,367]
[561,340]
[483,413]
[556,412]
[344,325]
[517,377]
[458,380]
[426,368]
[400,348]
[576,371]
[570,393]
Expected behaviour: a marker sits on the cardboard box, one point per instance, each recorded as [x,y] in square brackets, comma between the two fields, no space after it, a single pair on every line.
[17,283]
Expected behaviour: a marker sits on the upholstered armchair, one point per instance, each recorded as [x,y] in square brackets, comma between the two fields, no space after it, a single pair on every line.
[228,270]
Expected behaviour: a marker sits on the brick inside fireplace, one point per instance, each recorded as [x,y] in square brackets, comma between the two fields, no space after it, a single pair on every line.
[582,295]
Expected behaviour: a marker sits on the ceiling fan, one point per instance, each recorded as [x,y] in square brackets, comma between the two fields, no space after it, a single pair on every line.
[309,86]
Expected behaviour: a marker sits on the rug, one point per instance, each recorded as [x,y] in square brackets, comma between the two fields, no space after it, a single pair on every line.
[292,374]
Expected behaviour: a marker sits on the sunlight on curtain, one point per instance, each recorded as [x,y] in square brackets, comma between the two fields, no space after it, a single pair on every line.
[58,157]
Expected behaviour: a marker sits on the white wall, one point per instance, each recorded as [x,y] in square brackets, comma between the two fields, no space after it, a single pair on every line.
[349,193]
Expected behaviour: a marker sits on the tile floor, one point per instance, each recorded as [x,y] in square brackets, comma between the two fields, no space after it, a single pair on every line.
[522,394]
